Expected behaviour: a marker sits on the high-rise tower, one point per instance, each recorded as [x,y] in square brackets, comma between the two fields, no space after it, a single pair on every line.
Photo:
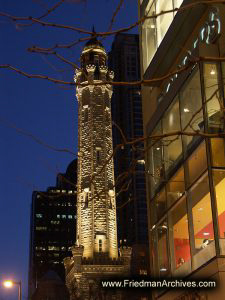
[95,254]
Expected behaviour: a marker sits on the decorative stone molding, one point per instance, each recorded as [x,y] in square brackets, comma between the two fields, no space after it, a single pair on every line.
[77,75]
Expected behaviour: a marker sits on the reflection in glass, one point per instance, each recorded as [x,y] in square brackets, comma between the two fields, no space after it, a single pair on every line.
[196,164]
[149,45]
[160,203]
[223,74]
[154,30]
[153,248]
[156,166]
[219,185]
[218,152]
[163,260]
[172,145]
[204,247]
[212,95]
[163,21]
[177,3]
[180,238]
[153,218]
[190,106]
[175,187]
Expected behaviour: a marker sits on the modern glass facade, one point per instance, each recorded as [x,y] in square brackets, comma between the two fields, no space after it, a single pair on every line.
[186,175]
[154,29]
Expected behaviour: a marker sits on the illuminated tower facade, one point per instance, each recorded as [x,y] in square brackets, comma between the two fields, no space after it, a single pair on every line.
[95,254]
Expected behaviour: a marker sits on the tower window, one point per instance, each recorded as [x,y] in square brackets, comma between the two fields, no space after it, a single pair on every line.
[96,59]
[100,245]
[98,155]
[85,113]
[86,200]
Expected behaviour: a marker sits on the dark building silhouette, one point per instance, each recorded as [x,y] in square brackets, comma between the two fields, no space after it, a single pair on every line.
[127,117]
[51,287]
[52,227]
[127,114]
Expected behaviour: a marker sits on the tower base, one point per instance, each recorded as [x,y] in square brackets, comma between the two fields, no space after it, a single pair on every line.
[84,276]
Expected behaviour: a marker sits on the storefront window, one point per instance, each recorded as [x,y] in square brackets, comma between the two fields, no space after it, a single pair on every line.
[156,166]
[175,187]
[163,258]
[204,246]
[196,164]
[172,145]
[179,239]
[218,152]
[212,98]
[191,109]
[219,186]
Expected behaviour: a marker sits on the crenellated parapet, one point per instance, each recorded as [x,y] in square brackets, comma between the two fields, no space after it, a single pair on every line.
[103,71]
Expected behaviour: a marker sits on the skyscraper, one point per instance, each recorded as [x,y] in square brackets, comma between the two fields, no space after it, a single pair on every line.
[53,220]
[124,60]
[95,254]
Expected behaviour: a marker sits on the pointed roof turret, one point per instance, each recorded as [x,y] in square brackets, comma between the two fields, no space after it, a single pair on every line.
[93,40]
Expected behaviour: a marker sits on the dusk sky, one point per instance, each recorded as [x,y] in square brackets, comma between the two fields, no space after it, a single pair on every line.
[42,109]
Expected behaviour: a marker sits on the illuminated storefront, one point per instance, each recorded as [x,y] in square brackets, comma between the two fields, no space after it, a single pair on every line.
[186,168]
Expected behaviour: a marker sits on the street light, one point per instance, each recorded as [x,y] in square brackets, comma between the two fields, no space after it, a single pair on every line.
[10,283]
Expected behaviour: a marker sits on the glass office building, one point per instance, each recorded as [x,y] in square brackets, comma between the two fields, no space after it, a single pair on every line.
[185,151]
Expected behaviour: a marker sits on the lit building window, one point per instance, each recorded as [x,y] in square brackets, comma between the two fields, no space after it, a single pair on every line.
[63,216]
[70,217]
[55,222]
[53,248]
[219,185]
[213,102]
[41,228]
[204,246]
[179,243]
[39,216]
[154,29]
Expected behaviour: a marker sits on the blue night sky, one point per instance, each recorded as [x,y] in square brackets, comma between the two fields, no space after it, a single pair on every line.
[42,109]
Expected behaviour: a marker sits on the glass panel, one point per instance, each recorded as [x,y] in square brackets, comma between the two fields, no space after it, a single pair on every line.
[190,106]
[172,146]
[204,246]
[163,21]
[177,3]
[218,152]
[213,100]
[153,248]
[152,213]
[196,164]
[156,167]
[163,259]
[223,74]
[160,202]
[149,36]
[180,246]
[175,187]
[219,185]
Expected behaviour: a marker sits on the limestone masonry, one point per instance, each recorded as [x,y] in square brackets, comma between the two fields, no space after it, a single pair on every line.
[95,255]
